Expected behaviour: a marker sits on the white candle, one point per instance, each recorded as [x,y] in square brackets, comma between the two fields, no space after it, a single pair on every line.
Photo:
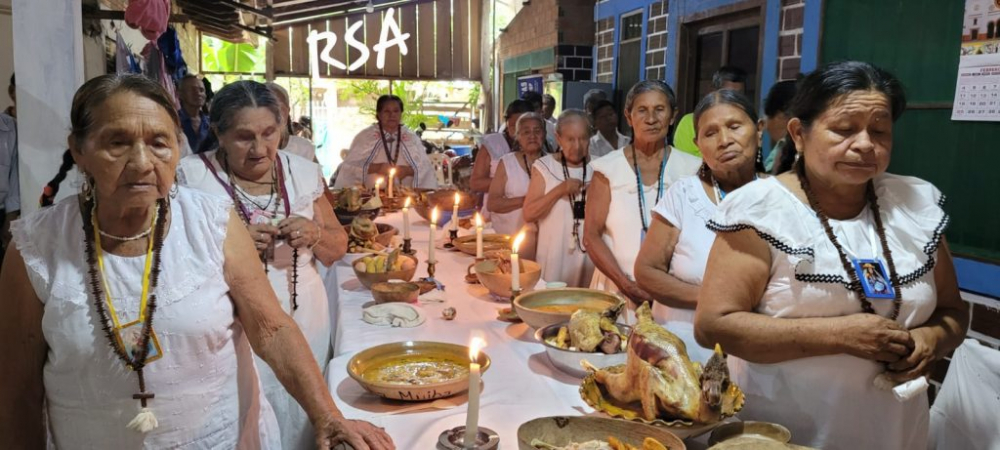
[378,185]
[472,415]
[406,218]
[430,250]
[515,265]
[479,236]
[454,212]
[392,176]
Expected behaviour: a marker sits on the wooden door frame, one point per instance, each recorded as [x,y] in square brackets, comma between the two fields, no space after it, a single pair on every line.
[750,12]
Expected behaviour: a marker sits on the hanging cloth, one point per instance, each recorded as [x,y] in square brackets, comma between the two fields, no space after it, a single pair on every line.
[148,16]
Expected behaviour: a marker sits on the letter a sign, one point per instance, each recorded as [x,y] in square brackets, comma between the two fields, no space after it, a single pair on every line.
[390,36]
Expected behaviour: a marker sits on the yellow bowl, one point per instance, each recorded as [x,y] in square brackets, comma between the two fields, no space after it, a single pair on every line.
[546,307]
[406,274]
[491,242]
[499,283]
[399,352]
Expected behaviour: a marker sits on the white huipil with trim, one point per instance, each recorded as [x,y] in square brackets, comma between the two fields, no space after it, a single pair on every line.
[207,393]
[688,208]
[623,226]
[558,253]
[368,148]
[496,145]
[830,402]
[518,178]
[304,182]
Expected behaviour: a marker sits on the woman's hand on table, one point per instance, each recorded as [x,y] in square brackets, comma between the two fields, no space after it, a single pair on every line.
[262,235]
[919,362]
[873,337]
[299,231]
[360,435]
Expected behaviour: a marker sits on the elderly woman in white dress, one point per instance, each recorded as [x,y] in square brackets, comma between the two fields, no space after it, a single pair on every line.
[496,145]
[290,142]
[279,198]
[671,262]
[510,184]
[627,184]
[556,199]
[828,284]
[133,308]
[607,138]
[385,145]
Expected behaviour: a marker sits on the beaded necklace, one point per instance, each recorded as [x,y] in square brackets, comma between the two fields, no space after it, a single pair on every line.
[573,201]
[527,168]
[389,156]
[641,187]
[138,356]
[855,284]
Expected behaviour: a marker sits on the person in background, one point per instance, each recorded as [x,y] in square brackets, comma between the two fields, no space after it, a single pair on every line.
[209,93]
[556,199]
[548,108]
[626,186]
[727,77]
[290,142]
[607,139]
[496,145]
[776,123]
[590,100]
[510,185]
[10,190]
[194,120]
[537,105]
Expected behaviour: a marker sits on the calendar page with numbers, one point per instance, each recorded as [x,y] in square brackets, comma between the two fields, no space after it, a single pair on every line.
[977,91]
[977,96]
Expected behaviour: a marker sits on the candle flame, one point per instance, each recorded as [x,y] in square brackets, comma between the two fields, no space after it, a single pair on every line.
[379,181]
[406,204]
[517,241]
[458,198]
[475,346]
[434,216]
[392,172]
[479,220]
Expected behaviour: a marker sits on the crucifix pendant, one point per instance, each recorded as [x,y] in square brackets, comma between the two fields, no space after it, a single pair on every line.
[143,397]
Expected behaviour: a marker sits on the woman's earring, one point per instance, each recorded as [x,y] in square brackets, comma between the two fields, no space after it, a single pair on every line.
[87,188]
[760,155]
[173,190]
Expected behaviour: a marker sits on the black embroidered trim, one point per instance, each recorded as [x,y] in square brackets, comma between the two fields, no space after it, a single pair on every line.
[930,249]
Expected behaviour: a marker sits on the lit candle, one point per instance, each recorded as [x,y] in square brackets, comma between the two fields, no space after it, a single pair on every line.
[434,220]
[479,236]
[454,212]
[472,415]
[392,176]
[515,264]
[378,185]
[406,218]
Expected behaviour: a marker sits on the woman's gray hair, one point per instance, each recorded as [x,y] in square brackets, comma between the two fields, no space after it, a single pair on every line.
[230,100]
[530,116]
[571,115]
[645,86]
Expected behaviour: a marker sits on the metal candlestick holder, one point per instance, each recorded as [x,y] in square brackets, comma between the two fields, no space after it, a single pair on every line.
[454,439]
[452,235]
[514,293]
[407,248]
[430,268]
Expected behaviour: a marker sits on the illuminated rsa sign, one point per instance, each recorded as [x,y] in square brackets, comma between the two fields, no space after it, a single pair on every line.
[389,25]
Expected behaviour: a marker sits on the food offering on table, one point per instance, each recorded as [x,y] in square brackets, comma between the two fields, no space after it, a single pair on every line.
[397,315]
[366,236]
[495,274]
[593,433]
[414,370]
[374,268]
[589,335]
[491,243]
[351,203]
[444,199]
[542,308]
[395,292]
[751,435]
[448,313]
[660,384]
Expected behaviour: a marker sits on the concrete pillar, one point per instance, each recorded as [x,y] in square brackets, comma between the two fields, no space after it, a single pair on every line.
[48,61]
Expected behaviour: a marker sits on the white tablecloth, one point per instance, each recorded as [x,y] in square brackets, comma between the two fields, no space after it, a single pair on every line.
[520,385]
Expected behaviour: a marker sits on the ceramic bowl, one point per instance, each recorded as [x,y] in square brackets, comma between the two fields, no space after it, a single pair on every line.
[385,233]
[499,283]
[491,242]
[378,356]
[568,361]
[392,292]
[562,431]
[405,274]
[750,432]
[546,307]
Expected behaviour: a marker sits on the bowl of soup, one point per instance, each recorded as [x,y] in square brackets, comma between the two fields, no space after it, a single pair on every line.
[414,370]
[546,307]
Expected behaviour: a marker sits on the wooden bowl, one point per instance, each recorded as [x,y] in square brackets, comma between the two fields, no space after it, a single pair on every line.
[391,292]
[491,242]
[363,362]
[561,431]
[346,217]
[444,199]
[546,307]
[406,274]
[385,233]
[750,434]
[499,283]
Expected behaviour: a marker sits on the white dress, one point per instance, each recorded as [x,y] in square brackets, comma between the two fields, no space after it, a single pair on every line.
[558,253]
[687,207]
[300,147]
[496,145]
[623,228]
[206,386]
[304,184]
[367,149]
[517,186]
[599,146]
[829,402]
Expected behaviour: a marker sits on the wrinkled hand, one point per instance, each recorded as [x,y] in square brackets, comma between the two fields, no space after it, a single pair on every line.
[636,295]
[919,362]
[874,337]
[336,432]
[262,235]
[299,232]
[572,186]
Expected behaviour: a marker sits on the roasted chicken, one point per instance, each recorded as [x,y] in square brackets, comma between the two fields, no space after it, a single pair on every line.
[592,330]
